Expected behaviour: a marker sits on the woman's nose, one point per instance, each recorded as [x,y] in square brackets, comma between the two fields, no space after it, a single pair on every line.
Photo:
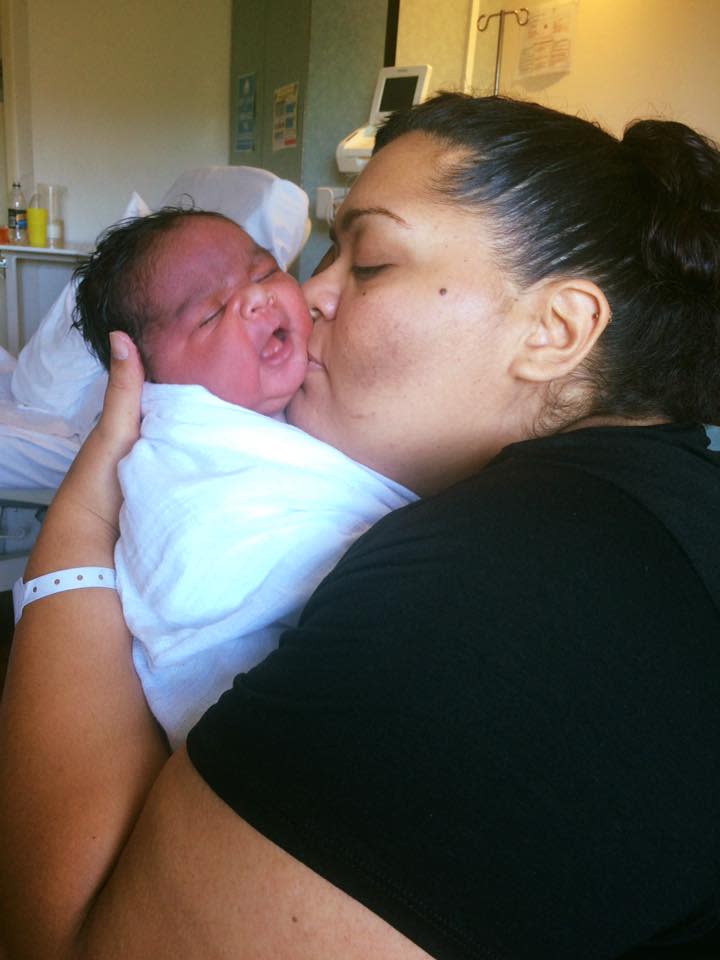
[322,294]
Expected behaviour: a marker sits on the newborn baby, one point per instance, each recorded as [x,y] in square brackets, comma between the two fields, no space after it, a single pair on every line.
[231,516]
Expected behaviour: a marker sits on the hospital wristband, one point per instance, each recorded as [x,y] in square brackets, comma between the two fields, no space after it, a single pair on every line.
[76,578]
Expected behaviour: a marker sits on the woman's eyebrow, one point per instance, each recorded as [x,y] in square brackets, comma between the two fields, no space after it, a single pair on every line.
[350,216]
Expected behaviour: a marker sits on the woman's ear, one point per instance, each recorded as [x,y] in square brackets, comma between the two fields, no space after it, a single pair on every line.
[565,319]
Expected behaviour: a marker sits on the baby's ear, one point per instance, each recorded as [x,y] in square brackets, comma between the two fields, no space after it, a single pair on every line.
[566,318]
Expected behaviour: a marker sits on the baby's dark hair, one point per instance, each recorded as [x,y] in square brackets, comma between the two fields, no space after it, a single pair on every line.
[113,282]
[640,217]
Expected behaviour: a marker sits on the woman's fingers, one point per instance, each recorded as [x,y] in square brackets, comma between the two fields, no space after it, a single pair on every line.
[89,498]
[119,424]
[81,526]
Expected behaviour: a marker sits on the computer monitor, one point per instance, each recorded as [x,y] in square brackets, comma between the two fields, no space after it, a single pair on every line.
[398,88]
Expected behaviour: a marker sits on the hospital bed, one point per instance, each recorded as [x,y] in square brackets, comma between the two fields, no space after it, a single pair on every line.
[51,394]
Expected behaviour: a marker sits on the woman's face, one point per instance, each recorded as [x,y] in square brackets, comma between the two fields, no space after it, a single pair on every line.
[415,329]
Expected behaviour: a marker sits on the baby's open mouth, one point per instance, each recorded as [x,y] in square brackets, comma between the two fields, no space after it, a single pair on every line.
[277,346]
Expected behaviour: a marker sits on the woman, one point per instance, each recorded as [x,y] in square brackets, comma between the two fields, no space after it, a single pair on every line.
[494,732]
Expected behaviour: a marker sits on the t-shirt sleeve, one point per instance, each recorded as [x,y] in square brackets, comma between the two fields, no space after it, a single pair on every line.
[463,738]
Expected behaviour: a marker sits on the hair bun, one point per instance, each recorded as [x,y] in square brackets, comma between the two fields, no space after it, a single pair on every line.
[682,186]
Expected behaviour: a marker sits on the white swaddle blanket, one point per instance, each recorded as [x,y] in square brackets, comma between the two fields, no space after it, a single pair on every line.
[230,521]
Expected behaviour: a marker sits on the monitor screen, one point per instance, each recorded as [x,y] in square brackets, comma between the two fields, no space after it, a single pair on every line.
[398,88]
[398,93]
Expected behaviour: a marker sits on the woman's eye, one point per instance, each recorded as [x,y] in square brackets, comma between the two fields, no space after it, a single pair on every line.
[367,272]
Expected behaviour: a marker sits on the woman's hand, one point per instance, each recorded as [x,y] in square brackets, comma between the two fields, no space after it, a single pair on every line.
[82,524]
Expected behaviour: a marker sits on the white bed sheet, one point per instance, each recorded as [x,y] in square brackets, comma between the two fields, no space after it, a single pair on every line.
[36,447]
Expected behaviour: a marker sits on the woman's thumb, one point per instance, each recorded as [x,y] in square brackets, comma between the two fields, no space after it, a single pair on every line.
[121,410]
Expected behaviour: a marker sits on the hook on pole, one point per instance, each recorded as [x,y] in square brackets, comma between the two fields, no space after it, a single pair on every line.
[522,15]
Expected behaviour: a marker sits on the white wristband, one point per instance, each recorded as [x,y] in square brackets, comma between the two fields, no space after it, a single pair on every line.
[76,578]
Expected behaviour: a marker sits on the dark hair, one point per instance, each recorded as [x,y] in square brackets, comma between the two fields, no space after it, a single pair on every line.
[112,283]
[638,216]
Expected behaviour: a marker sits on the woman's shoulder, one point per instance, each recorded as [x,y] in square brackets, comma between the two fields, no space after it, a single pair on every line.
[643,463]
[590,513]
[655,468]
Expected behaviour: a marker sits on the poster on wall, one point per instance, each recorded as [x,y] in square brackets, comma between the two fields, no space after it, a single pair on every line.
[548,40]
[245,113]
[285,110]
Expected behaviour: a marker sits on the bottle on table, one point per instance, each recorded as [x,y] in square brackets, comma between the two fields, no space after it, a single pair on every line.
[56,224]
[17,215]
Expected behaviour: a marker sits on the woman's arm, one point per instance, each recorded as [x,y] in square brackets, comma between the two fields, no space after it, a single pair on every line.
[101,857]
[79,749]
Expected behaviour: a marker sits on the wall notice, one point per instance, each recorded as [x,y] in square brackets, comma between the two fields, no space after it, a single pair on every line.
[245,113]
[548,40]
[285,113]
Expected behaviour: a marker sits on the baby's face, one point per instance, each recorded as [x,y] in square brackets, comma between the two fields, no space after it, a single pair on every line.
[227,318]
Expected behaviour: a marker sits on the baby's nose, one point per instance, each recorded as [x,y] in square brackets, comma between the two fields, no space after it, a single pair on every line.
[253,299]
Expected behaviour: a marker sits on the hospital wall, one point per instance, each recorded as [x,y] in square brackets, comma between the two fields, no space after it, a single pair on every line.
[630,58]
[117,97]
[333,50]
[121,96]
[346,52]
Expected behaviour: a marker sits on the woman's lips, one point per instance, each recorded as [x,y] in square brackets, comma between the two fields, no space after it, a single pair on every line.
[314,363]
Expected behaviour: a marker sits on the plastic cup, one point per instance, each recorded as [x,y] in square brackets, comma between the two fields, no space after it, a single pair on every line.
[56,225]
[37,221]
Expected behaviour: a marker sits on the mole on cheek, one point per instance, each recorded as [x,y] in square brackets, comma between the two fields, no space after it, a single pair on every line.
[442,291]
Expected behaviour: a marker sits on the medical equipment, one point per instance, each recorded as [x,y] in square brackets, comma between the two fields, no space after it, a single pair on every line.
[521,16]
[397,88]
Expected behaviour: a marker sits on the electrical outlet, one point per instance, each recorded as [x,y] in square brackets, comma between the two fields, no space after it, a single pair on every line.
[327,200]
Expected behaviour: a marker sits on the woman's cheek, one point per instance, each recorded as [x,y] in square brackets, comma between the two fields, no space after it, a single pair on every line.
[382,338]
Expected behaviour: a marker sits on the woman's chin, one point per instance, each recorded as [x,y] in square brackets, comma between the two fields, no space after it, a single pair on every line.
[296,410]
[301,413]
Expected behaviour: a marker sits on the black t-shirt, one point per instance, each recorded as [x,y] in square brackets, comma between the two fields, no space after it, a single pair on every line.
[497,723]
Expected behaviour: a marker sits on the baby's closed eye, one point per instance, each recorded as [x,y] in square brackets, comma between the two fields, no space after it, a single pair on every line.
[213,316]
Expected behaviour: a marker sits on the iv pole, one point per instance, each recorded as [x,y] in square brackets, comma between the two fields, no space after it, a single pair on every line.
[522,16]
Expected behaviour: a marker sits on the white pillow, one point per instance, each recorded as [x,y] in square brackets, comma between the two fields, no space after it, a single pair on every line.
[56,372]
[7,362]
[272,210]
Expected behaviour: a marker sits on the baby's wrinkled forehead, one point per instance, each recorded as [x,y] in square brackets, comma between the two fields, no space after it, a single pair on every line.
[253,246]
[256,253]
[232,249]
[261,253]
[196,264]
